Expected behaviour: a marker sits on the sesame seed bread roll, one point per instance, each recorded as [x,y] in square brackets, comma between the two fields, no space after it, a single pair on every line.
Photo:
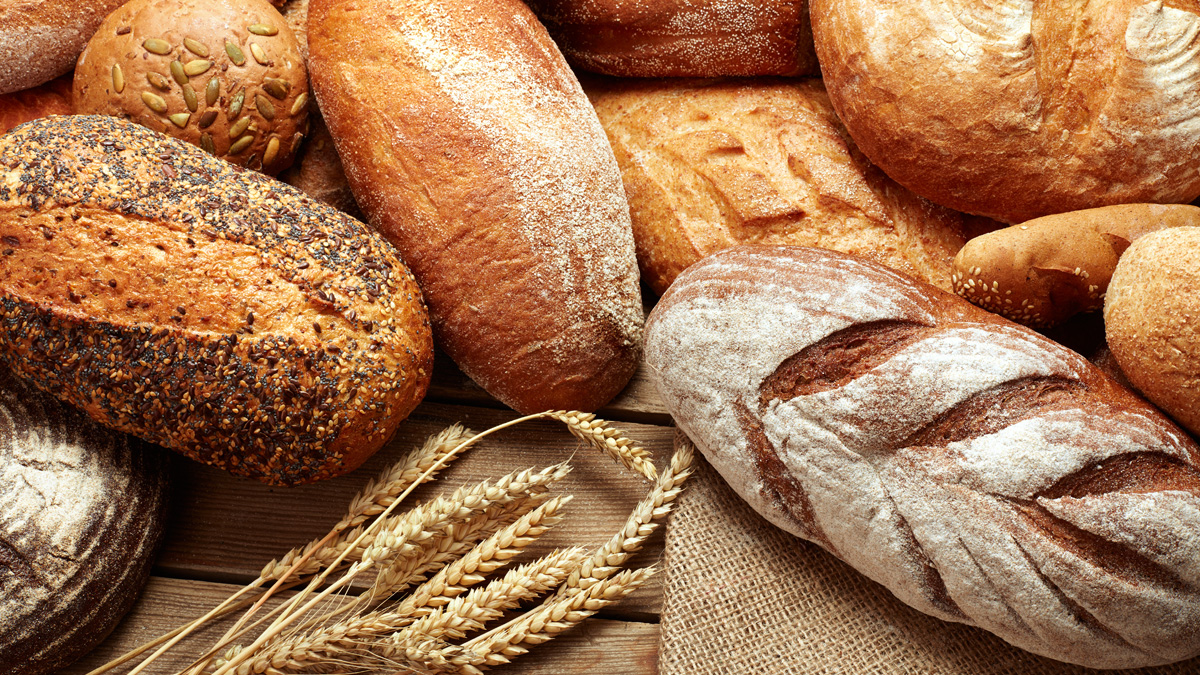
[710,164]
[1151,320]
[683,38]
[981,472]
[209,309]
[1018,109]
[40,39]
[1043,272]
[469,144]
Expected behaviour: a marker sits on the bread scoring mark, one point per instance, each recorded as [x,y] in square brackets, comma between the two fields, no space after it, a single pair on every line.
[1015,620]
[1136,473]
[838,358]
[18,565]
[989,411]
[934,588]
[778,486]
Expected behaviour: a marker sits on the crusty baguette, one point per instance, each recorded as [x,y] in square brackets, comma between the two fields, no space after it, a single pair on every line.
[979,471]
[712,164]
[470,145]
[81,515]
[1044,271]
[52,98]
[40,39]
[683,38]
[212,310]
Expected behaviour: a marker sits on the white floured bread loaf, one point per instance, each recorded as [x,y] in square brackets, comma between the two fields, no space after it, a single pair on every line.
[979,471]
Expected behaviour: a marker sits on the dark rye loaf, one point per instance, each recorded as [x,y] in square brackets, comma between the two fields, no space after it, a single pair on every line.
[979,471]
[209,309]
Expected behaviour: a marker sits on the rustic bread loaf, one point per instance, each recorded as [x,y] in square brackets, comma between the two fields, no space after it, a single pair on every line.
[1150,320]
[318,170]
[710,165]
[1043,272]
[979,471]
[52,98]
[470,145]
[40,39]
[225,75]
[1019,110]
[209,309]
[682,38]
[81,514]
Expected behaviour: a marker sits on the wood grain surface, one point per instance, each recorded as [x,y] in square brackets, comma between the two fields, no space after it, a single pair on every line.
[223,530]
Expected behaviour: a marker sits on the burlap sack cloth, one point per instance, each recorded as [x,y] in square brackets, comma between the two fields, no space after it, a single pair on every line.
[745,597]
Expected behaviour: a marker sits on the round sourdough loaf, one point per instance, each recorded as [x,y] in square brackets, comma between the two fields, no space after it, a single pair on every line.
[40,39]
[204,307]
[979,471]
[1151,320]
[1020,109]
[470,145]
[682,38]
[225,75]
[709,165]
[81,514]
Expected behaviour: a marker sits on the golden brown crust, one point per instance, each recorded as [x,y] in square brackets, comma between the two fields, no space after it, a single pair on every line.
[40,39]
[225,75]
[709,165]
[1023,109]
[1150,320]
[52,98]
[211,310]
[683,38]
[470,145]
[1042,272]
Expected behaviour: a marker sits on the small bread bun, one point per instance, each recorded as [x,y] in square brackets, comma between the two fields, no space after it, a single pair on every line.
[225,75]
[682,38]
[1150,319]
[1042,272]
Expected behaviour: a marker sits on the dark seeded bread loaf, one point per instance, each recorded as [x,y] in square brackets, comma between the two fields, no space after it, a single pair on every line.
[206,308]
[81,514]
[979,471]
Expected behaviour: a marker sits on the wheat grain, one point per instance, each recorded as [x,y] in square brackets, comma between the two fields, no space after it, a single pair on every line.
[596,432]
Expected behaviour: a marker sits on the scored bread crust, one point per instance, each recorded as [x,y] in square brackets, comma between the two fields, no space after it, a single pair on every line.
[1024,108]
[470,145]
[209,309]
[683,38]
[40,39]
[712,164]
[979,471]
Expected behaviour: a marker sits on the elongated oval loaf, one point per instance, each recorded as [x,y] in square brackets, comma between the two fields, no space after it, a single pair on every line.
[211,310]
[982,473]
[81,514]
[470,145]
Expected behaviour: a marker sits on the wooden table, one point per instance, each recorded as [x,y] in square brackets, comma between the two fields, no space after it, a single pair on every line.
[223,530]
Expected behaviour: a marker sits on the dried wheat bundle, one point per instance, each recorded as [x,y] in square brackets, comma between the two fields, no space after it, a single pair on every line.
[430,572]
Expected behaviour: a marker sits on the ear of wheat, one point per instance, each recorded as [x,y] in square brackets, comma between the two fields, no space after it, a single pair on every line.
[433,565]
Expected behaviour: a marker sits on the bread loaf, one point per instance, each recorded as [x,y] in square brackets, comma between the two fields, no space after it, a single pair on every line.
[40,39]
[470,145]
[710,165]
[1150,320]
[979,471]
[225,75]
[202,307]
[318,171]
[683,38]
[81,514]
[52,98]
[1043,272]
[1018,110]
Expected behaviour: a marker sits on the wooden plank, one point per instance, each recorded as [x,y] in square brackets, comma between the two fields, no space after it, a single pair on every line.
[225,529]
[597,646]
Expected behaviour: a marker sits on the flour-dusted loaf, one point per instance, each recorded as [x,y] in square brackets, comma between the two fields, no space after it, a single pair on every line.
[81,513]
[200,306]
[40,39]
[470,145]
[1020,109]
[979,471]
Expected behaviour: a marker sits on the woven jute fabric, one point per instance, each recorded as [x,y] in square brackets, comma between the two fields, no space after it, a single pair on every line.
[743,596]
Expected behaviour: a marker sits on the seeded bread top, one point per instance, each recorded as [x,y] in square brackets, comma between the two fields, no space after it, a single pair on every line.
[207,308]
[225,75]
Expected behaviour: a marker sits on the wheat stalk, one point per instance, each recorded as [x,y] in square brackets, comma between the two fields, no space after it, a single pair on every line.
[596,432]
